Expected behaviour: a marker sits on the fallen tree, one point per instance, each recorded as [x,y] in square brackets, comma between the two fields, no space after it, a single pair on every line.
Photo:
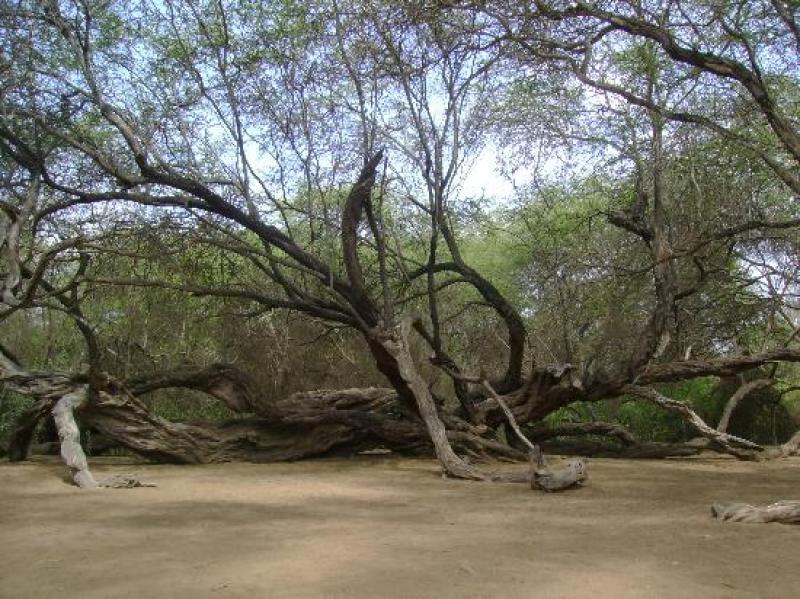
[129,156]
[302,425]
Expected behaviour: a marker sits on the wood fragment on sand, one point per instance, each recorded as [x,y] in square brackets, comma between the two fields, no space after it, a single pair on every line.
[785,512]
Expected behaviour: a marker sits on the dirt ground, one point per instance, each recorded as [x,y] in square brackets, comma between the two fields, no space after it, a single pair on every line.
[379,527]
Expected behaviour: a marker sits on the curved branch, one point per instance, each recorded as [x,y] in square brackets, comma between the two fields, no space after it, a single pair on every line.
[707,61]
[741,448]
[737,398]
[677,371]
[517,333]
[358,197]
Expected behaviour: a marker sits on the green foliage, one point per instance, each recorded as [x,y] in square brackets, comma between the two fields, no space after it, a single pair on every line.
[11,407]
[188,406]
[762,417]
[652,423]
[186,76]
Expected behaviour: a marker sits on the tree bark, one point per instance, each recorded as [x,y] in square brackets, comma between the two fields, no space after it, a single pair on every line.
[19,445]
[571,474]
[303,425]
[70,436]
[737,398]
[535,452]
[649,450]
[785,512]
[451,463]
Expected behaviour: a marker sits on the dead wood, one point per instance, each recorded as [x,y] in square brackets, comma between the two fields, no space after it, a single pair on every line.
[535,452]
[572,473]
[785,512]
[70,436]
[230,385]
[122,481]
[598,448]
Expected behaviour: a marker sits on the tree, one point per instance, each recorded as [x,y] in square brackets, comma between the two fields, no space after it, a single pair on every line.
[732,61]
[208,115]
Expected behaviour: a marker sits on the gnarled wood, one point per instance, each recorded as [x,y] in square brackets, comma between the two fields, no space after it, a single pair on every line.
[72,452]
[785,512]
[224,382]
[303,425]
[537,458]
[451,463]
[642,450]
[70,436]
[572,473]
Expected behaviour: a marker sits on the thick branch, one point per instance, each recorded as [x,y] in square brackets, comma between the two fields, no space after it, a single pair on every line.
[566,429]
[730,443]
[737,398]
[707,61]
[351,217]
[451,463]
[677,371]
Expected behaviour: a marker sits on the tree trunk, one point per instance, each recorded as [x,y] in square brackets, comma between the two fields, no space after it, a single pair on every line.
[567,429]
[312,423]
[303,425]
[70,436]
[19,445]
[451,463]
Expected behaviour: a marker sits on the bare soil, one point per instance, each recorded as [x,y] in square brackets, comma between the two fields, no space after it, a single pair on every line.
[388,527]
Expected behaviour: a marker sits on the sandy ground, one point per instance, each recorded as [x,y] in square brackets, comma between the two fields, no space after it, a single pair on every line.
[382,527]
